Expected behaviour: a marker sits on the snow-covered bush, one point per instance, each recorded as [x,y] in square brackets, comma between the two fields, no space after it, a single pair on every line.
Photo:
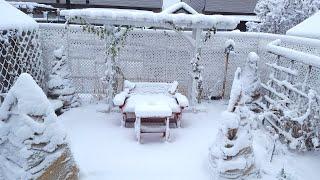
[278,16]
[31,140]
[231,155]
[59,84]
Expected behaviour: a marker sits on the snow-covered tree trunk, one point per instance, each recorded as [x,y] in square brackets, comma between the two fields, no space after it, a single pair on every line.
[32,143]
[59,84]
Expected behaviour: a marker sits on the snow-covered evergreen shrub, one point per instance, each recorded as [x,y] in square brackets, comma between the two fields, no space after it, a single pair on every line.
[231,156]
[31,140]
[278,16]
[59,84]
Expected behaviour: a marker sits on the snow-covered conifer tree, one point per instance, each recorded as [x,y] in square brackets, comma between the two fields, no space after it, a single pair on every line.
[32,143]
[59,84]
[231,155]
[278,16]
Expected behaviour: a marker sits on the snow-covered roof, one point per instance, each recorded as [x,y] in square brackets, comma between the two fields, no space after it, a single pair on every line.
[308,28]
[177,6]
[12,18]
[230,6]
[168,3]
[143,18]
[29,5]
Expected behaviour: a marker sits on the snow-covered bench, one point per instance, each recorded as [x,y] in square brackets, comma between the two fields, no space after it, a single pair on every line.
[150,94]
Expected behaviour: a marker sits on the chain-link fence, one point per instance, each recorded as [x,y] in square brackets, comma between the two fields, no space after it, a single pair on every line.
[20,52]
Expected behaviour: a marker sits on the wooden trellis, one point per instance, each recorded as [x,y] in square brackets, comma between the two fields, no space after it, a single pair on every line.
[290,106]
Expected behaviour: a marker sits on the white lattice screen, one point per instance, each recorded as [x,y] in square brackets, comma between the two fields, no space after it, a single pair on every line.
[19,52]
[161,56]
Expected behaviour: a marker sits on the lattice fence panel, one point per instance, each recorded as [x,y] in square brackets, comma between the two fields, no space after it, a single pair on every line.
[19,52]
[164,56]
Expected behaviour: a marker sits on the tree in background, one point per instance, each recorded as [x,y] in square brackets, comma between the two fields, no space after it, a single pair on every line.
[278,16]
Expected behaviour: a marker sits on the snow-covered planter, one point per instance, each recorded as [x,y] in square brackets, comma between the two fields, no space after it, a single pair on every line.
[19,47]
[59,85]
[32,143]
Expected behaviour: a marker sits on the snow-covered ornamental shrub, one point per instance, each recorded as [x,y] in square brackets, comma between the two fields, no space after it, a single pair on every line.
[278,16]
[32,144]
[231,156]
[19,47]
[59,85]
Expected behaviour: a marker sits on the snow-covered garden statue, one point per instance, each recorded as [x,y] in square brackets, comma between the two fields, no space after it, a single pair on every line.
[32,144]
[59,85]
[231,156]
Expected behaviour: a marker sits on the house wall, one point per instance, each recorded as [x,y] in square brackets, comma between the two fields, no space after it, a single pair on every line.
[230,6]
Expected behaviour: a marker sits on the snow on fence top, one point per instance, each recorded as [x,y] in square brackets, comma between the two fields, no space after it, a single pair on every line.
[308,28]
[148,18]
[12,18]
[309,59]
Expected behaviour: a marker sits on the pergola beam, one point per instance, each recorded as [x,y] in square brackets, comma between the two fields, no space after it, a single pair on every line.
[151,19]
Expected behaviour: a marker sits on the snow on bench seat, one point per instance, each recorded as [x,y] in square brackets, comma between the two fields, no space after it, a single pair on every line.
[159,99]
[152,109]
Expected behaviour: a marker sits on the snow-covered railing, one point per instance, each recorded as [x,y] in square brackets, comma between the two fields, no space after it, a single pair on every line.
[302,57]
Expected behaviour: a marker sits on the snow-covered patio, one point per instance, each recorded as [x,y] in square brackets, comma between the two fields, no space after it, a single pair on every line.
[93,98]
[104,150]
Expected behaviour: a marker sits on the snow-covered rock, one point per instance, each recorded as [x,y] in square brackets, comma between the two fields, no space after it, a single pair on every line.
[32,142]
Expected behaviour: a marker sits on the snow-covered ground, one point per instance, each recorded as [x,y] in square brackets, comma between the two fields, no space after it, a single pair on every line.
[104,150]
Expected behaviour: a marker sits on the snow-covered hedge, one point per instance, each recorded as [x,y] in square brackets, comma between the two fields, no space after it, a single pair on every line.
[31,139]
